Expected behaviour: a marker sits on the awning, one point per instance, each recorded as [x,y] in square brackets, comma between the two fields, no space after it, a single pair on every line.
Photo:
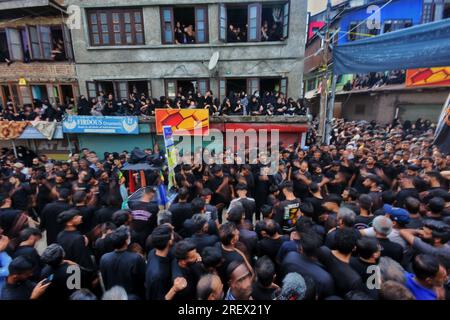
[420,46]
[21,8]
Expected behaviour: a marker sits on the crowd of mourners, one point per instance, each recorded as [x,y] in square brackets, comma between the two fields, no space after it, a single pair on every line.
[375,80]
[235,104]
[366,217]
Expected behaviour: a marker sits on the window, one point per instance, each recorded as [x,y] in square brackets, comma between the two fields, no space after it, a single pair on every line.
[434,10]
[311,84]
[359,30]
[41,42]
[184,25]
[186,87]
[114,27]
[254,22]
[120,89]
[394,25]
[252,85]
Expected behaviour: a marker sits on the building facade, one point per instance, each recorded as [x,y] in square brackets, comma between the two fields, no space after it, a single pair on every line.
[36,53]
[381,96]
[129,46]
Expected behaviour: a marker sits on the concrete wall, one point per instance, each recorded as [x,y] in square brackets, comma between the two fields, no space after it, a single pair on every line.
[156,61]
[382,106]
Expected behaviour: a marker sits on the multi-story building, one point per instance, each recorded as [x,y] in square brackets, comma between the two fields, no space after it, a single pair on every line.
[383,96]
[36,53]
[126,46]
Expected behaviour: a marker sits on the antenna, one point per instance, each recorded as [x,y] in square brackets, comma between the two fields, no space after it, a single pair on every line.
[213,61]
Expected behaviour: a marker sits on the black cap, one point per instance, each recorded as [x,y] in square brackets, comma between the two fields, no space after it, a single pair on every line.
[68,215]
[206,192]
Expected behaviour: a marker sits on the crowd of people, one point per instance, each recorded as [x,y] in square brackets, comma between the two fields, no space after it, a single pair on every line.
[364,218]
[375,80]
[235,104]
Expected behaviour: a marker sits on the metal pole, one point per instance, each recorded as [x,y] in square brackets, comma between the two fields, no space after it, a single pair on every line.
[14,148]
[324,92]
[330,111]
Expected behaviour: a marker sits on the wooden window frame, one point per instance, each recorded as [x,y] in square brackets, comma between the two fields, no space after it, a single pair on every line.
[205,21]
[11,55]
[258,7]
[223,8]
[110,26]
[163,25]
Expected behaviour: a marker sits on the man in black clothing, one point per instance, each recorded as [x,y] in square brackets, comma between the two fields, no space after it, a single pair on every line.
[345,220]
[337,262]
[304,261]
[27,240]
[229,237]
[288,211]
[185,265]
[49,215]
[60,271]
[201,238]
[247,237]
[144,214]
[383,227]
[8,216]
[369,253]
[368,256]
[158,278]
[87,212]
[181,210]
[264,288]
[271,243]
[122,267]
[407,190]
[412,205]
[74,243]
[18,285]
[247,203]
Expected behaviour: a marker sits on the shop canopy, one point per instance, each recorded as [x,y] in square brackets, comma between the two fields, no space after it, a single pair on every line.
[421,46]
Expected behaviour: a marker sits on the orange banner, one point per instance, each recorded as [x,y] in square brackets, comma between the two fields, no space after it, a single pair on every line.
[183,121]
[428,77]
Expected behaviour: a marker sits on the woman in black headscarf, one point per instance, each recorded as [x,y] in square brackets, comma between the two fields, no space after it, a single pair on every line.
[84,108]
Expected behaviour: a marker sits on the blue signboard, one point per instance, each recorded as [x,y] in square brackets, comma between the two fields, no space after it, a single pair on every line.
[106,125]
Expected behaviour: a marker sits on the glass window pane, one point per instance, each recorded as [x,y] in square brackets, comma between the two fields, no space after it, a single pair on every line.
[253,12]
[166,14]
[139,38]
[104,28]
[105,39]
[96,39]
[128,27]
[138,27]
[252,33]
[117,38]
[116,17]
[222,33]
[95,29]
[103,18]
[116,28]
[200,14]
[168,35]
[127,17]
[93,18]
[200,25]
[201,36]
[137,17]
[129,38]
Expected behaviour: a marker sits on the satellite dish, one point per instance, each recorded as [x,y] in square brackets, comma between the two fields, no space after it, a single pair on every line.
[213,61]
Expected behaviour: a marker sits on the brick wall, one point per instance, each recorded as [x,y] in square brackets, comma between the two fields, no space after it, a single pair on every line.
[38,71]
